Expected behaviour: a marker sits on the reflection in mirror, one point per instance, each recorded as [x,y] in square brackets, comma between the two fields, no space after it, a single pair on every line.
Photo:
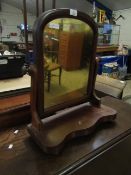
[67,48]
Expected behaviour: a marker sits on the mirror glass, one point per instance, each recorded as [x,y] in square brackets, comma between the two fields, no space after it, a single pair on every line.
[67,45]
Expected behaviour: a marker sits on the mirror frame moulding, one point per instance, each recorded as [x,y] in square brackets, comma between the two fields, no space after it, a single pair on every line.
[37,72]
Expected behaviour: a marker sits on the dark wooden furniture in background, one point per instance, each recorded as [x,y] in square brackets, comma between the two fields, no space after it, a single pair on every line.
[70,49]
[107,151]
[48,73]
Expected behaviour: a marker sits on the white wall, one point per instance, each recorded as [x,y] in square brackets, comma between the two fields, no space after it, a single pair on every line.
[81,5]
[10,18]
[125,26]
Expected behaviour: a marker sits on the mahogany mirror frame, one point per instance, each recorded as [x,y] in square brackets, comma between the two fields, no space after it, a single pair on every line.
[37,68]
[47,132]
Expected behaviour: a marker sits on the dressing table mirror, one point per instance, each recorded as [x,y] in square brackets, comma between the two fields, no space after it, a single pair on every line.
[63,79]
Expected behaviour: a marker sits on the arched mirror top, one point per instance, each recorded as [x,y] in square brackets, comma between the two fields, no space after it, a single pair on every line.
[51,15]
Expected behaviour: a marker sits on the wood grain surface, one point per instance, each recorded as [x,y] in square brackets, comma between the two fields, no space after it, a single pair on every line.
[26,158]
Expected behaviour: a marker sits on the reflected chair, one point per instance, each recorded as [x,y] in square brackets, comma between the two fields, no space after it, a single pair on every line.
[48,72]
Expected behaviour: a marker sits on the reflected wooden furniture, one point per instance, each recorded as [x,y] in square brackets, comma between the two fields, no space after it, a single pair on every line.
[14,110]
[70,49]
[52,50]
[48,73]
[105,152]
[51,42]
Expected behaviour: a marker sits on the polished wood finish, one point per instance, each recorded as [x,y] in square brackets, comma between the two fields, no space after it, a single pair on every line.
[15,110]
[63,126]
[14,101]
[52,132]
[107,151]
[37,69]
